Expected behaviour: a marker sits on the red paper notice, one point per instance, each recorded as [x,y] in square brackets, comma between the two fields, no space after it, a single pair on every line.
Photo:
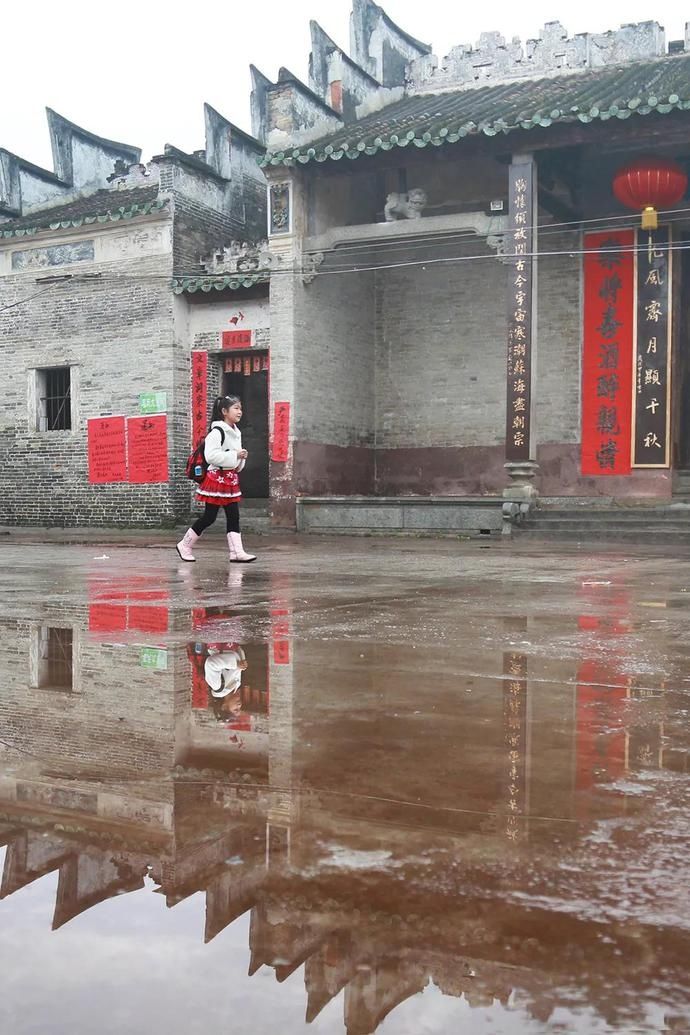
[147,448]
[281,432]
[107,457]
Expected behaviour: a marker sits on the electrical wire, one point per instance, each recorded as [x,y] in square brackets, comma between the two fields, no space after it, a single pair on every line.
[107,279]
[21,301]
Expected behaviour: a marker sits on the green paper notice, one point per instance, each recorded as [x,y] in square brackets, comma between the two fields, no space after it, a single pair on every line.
[153,402]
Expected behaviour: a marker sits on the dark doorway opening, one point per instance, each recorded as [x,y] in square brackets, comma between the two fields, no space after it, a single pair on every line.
[246,376]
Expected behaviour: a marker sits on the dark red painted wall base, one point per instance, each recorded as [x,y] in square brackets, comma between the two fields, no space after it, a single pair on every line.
[325,470]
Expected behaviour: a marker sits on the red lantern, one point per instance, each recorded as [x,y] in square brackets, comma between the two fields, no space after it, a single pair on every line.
[650,184]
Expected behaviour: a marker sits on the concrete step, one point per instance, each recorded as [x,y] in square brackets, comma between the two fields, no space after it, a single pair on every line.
[586,523]
[651,536]
[617,515]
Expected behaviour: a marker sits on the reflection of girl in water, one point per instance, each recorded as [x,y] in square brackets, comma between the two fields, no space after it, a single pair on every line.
[223,670]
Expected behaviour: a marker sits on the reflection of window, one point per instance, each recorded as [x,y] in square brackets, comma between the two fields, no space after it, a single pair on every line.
[54,399]
[54,658]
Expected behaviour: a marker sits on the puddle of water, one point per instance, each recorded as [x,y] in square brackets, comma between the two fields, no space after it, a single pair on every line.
[264,811]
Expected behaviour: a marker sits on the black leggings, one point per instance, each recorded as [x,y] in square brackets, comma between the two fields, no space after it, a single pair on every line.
[232,517]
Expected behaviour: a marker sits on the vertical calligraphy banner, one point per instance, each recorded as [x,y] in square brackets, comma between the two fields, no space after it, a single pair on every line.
[521,243]
[652,368]
[199,395]
[281,432]
[607,352]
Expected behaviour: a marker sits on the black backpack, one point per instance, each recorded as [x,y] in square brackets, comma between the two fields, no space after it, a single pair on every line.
[196,466]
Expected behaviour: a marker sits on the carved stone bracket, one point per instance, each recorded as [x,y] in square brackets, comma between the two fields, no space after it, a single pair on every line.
[310,265]
[240,257]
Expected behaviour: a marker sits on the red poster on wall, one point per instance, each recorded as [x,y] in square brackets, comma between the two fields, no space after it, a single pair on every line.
[107,450]
[199,395]
[236,339]
[608,352]
[281,432]
[147,448]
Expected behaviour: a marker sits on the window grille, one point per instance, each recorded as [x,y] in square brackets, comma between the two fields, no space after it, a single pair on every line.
[55,399]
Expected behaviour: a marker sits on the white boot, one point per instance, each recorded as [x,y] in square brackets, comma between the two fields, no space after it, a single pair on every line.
[237,552]
[184,547]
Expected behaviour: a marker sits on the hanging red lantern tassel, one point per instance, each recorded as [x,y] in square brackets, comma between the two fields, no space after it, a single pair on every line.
[649,184]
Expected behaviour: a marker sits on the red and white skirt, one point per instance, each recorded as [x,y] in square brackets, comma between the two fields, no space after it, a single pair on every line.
[219,488]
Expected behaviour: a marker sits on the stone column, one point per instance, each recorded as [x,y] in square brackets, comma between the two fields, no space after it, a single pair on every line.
[521,249]
[286,231]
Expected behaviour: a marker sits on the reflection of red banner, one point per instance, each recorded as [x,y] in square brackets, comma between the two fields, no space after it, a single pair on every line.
[602,692]
[607,359]
[130,611]
[147,449]
[199,395]
[107,455]
[281,432]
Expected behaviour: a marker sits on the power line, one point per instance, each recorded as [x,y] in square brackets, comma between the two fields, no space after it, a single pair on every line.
[21,301]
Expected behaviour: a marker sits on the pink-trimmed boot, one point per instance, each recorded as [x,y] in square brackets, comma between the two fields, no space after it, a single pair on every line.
[184,547]
[237,552]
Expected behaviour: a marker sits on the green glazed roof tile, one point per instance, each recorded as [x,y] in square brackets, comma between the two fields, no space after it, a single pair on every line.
[660,86]
[189,285]
[102,207]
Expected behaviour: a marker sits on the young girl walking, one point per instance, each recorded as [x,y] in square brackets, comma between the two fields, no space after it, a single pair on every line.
[220,488]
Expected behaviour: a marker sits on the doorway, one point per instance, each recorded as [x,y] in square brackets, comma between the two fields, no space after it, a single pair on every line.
[246,376]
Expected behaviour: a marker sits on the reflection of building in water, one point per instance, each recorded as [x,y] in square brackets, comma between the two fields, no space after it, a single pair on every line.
[109,774]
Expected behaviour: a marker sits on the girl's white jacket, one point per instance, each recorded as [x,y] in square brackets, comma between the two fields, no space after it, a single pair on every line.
[222,672]
[223,455]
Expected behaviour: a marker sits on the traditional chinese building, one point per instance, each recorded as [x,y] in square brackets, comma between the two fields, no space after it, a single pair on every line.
[96,332]
[477,317]
[467,314]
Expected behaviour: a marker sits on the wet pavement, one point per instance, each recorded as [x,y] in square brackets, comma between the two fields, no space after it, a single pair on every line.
[406,787]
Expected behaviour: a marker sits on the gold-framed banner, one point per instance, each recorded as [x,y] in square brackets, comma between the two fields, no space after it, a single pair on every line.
[651,400]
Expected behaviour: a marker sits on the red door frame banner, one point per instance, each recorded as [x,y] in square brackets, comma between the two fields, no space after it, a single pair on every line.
[607,362]
[199,395]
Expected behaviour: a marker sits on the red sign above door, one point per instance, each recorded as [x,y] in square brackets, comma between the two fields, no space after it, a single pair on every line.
[236,339]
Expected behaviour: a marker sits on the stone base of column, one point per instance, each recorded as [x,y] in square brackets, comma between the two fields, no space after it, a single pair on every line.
[521,486]
[520,495]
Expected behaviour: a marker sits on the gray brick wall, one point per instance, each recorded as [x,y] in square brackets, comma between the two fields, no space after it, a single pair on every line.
[440,353]
[117,335]
[334,360]
[560,339]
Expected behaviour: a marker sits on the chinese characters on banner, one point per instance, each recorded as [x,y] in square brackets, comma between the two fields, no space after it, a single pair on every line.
[107,450]
[520,242]
[607,356]
[651,407]
[281,432]
[236,339]
[199,395]
[147,449]
[515,738]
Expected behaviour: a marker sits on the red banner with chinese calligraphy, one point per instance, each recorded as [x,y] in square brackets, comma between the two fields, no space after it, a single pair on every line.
[236,339]
[107,450]
[147,449]
[199,395]
[608,350]
[281,432]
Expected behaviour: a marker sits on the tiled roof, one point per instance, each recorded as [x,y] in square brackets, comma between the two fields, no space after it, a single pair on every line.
[102,207]
[660,86]
[207,283]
